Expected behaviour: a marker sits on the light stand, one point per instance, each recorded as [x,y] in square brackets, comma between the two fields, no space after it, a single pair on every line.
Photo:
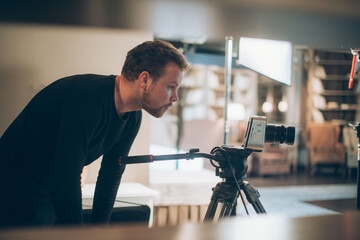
[227,77]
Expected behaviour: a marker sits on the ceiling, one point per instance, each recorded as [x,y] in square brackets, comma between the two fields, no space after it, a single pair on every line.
[350,8]
[332,23]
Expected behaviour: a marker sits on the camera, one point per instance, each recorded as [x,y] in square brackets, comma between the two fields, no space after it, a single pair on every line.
[230,163]
[258,132]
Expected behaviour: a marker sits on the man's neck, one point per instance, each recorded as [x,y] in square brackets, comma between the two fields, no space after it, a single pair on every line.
[125,96]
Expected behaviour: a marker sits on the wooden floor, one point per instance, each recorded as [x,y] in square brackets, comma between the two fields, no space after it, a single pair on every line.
[303,178]
[338,205]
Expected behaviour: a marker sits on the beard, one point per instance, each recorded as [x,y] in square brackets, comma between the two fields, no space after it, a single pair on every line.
[146,104]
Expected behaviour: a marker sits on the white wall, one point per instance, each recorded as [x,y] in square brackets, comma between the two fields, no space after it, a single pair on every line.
[33,56]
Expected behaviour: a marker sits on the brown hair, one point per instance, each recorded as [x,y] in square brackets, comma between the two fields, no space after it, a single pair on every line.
[152,56]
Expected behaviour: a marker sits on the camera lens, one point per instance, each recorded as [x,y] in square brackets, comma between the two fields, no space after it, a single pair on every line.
[280,134]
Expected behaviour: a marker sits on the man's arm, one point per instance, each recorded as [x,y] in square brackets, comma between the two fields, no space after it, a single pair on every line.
[75,130]
[110,175]
[106,189]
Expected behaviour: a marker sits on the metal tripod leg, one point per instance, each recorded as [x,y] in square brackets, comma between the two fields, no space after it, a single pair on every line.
[252,195]
[227,194]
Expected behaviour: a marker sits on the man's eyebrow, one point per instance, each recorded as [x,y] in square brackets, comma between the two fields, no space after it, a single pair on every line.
[174,82]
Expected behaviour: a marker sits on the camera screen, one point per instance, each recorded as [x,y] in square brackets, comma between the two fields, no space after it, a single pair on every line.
[255,133]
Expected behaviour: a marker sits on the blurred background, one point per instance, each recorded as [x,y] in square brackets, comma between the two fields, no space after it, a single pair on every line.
[41,41]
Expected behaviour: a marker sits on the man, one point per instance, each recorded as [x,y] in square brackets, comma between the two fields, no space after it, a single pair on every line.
[71,123]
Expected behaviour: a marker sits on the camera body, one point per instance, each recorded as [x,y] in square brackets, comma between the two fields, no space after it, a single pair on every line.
[255,133]
[258,132]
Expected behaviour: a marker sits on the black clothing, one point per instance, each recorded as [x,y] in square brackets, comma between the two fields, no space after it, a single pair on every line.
[66,126]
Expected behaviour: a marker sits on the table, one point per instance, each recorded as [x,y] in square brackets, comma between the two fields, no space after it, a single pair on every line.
[127,193]
[330,227]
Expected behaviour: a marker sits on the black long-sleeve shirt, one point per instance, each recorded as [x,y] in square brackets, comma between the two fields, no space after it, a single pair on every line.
[66,126]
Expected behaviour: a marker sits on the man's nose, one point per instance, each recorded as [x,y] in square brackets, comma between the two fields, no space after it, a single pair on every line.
[174,97]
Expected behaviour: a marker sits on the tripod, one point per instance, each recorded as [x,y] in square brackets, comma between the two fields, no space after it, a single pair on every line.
[227,193]
[232,167]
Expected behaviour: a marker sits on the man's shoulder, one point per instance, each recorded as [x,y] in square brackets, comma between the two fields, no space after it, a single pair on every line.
[82,89]
[89,76]
[82,83]
[86,77]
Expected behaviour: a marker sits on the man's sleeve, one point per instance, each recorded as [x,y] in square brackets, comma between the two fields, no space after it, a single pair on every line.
[75,130]
[110,176]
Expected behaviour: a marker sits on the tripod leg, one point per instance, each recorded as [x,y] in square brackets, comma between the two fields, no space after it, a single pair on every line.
[252,196]
[210,212]
[226,193]
[233,211]
[226,210]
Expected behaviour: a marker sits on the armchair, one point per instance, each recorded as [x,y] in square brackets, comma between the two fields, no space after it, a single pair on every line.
[273,160]
[324,148]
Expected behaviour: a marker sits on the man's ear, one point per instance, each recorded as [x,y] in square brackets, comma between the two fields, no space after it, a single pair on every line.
[144,79]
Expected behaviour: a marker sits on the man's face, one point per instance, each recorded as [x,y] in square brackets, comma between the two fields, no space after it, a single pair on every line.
[159,95]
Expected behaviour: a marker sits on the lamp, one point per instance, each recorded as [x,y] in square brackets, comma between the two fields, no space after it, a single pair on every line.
[268,104]
[283,105]
[267,107]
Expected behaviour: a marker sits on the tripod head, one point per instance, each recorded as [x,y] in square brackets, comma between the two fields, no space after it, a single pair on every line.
[232,161]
